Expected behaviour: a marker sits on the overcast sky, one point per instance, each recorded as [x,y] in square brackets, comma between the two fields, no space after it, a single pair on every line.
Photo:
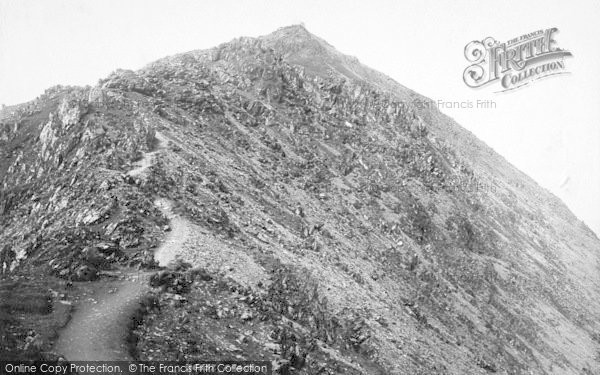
[549,130]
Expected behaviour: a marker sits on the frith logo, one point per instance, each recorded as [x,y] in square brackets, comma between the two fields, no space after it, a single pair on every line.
[515,63]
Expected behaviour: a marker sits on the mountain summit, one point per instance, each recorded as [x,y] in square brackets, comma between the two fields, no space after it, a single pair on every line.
[299,47]
[321,220]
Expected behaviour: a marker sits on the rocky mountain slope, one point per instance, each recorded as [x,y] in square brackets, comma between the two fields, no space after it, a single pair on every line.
[337,227]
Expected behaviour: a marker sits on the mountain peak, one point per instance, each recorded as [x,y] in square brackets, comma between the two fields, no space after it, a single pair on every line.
[296,29]
[296,36]
[300,47]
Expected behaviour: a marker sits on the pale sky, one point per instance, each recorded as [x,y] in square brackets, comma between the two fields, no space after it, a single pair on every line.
[550,130]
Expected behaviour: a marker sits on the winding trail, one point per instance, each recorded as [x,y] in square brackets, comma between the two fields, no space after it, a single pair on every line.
[100,326]
[147,159]
[179,235]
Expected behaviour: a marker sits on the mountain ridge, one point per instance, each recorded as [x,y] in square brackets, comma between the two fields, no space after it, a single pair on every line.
[388,237]
[299,37]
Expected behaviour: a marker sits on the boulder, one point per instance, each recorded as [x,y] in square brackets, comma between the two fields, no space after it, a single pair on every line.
[85,273]
[107,248]
[93,257]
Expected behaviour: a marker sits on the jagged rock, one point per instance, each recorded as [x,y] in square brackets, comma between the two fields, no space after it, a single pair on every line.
[93,257]
[175,282]
[148,261]
[85,273]
[105,185]
[107,248]
[246,315]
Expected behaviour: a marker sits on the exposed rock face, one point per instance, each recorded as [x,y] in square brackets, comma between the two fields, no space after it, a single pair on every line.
[390,239]
[62,184]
